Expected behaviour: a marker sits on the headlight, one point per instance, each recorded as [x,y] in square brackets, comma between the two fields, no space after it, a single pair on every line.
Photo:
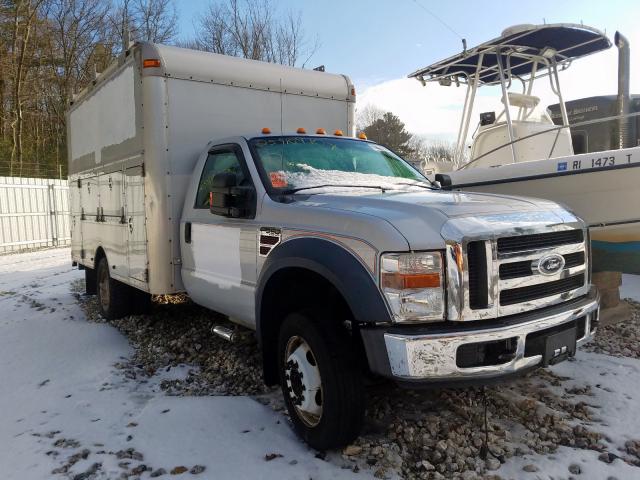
[413,285]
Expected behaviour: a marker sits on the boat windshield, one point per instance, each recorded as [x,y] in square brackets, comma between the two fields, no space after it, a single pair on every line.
[291,163]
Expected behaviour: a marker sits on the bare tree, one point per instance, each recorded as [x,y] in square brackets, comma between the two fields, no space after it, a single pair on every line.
[24,17]
[155,20]
[367,115]
[430,153]
[253,29]
[145,20]
[77,31]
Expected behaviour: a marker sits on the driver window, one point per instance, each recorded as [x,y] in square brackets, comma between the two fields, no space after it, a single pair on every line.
[225,161]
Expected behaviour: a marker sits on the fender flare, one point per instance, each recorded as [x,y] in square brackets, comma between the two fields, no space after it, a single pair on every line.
[334,263]
[338,266]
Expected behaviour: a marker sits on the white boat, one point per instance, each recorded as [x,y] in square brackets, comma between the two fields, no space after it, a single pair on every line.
[521,151]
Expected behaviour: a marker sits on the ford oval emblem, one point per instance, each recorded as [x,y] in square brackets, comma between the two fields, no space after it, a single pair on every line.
[551,264]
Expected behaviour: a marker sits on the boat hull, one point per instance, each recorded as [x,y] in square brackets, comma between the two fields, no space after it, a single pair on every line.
[603,188]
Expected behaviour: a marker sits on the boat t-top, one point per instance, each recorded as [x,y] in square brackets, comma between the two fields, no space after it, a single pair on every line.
[529,149]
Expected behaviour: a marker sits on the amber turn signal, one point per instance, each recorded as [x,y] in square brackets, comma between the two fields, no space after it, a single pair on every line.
[403,281]
[151,63]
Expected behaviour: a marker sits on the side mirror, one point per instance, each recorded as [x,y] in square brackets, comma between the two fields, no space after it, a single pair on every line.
[228,199]
[444,180]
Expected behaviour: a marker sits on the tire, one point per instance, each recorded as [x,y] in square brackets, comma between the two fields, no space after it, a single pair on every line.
[90,281]
[113,296]
[335,377]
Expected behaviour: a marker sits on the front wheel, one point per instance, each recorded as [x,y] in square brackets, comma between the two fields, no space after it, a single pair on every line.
[321,381]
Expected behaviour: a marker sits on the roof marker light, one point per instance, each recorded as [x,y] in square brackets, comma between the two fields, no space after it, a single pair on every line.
[338,133]
[301,130]
[321,131]
[266,131]
[362,136]
[151,63]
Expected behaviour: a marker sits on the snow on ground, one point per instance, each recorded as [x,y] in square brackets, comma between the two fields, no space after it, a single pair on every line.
[69,408]
[66,407]
[615,390]
[630,287]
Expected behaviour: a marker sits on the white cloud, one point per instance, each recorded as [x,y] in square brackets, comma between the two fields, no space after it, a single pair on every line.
[435,111]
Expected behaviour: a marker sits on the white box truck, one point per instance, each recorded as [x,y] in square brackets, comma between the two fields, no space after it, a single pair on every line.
[240,182]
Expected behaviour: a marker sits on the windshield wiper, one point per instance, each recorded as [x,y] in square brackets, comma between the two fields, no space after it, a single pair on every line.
[295,190]
[421,185]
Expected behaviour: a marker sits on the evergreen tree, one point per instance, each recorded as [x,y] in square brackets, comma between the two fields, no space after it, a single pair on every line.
[390,131]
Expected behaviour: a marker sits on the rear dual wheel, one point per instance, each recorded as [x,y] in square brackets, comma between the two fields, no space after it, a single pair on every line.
[321,380]
[90,281]
[116,299]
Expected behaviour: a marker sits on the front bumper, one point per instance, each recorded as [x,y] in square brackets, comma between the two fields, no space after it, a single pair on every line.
[429,354]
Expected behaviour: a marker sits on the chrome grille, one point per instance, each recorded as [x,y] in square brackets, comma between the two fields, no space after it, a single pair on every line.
[539,240]
[523,269]
[478,285]
[541,290]
[502,275]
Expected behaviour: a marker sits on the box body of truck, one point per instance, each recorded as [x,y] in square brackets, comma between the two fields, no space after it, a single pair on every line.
[135,136]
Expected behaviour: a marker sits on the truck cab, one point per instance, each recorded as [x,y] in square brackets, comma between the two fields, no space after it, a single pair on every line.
[308,237]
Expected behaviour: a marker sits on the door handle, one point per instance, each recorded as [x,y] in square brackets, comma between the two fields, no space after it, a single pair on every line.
[187,232]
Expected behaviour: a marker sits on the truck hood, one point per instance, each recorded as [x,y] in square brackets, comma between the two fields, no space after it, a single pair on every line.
[420,216]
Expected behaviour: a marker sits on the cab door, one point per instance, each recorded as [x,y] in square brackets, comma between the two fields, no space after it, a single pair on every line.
[219,252]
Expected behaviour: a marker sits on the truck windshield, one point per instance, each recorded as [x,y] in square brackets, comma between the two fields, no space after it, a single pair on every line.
[299,162]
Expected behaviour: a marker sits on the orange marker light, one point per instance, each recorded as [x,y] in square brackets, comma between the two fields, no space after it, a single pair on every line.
[338,133]
[362,136]
[151,63]
[320,131]
[353,91]
[301,130]
[266,131]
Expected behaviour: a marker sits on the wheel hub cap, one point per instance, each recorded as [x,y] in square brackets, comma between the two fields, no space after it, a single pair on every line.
[303,381]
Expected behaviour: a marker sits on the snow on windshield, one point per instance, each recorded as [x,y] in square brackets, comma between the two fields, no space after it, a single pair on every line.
[313,177]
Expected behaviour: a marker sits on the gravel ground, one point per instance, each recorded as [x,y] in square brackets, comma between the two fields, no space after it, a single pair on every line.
[620,339]
[426,434]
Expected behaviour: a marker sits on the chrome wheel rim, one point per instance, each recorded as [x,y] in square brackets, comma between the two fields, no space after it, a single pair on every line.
[103,287]
[303,382]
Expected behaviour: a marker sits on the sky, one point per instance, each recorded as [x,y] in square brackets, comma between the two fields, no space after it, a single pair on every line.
[377,43]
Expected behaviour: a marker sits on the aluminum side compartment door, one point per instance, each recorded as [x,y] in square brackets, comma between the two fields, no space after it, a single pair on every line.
[75,203]
[135,224]
[218,252]
[89,216]
[111,224]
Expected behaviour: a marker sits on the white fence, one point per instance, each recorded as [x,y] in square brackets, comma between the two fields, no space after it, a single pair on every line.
[34,213]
